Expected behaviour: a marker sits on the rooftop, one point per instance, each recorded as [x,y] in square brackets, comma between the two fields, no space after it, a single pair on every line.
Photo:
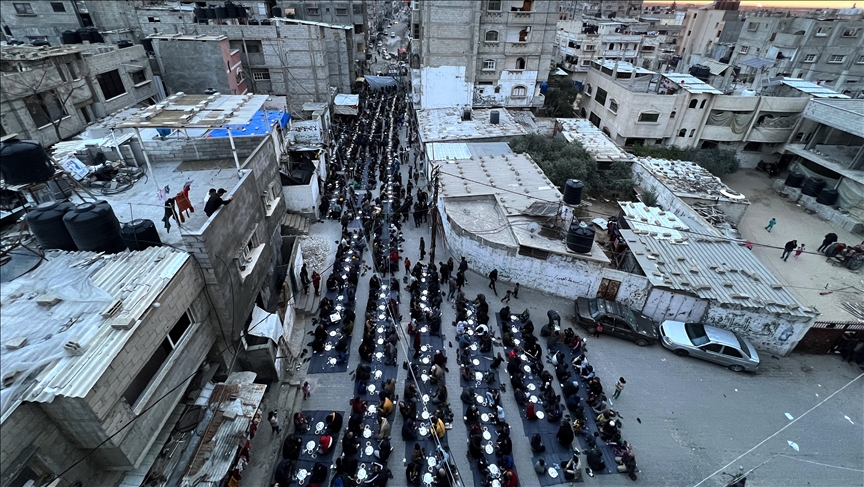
[685,178]
[692,84]
[446,124]
[592,139]
[185,37]
[489,192]
[623,67]
[812,89]
[182,110]
[86,284]
[36,53]
[710,267]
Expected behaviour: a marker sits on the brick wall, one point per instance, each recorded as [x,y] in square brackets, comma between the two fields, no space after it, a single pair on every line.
[200,149]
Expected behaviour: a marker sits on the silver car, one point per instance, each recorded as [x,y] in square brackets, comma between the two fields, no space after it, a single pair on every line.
[709,343]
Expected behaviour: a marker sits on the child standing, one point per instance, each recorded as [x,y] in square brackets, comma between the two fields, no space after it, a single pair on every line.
[307,390]
[516,291]
[619,386]
[274,422]
[798,251]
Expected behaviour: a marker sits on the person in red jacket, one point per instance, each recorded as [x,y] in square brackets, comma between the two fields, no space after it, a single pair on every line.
[316,282]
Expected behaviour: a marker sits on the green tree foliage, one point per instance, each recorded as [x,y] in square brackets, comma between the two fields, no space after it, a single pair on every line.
[561,161]
[649,197]
[560,97]
[716,161]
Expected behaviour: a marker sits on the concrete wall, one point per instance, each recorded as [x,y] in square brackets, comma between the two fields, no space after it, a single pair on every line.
[560,275]
[770,333]
[43,22]
[217,243]
[200,149]
[302,199]
[125,61]
[174,59]
[444,87]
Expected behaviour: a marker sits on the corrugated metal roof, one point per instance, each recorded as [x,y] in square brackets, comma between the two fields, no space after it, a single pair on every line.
[712,268]
[715,67]
[811,88]
[692,84]
[623,66]
[688,178]
[223,436]
[91,282]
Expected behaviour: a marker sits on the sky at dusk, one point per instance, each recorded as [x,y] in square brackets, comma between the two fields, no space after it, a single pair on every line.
[780,3]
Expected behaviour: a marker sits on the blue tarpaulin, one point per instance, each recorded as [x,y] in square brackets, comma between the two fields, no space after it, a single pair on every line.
[257,125]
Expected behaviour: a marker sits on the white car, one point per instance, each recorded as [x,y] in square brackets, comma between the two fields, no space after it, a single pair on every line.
[392,34]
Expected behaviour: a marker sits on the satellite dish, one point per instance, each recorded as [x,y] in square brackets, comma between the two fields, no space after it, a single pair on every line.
[533,228]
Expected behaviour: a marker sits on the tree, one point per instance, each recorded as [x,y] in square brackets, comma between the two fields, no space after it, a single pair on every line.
[560,97]
[46,92]
[716,161]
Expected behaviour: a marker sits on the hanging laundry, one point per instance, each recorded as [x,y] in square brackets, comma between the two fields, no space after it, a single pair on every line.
[169,214]
[184,204]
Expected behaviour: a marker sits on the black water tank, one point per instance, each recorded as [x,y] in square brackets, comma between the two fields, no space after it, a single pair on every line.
[40,42]
[580,238]
[199,14]
[95,36]
[794,180]
[140,234]
[827,197]
[95,228]
[494,117]
[46,223]
[276,12]
[265,22]
[71,37]
[210,12]
[124,43]
[148,44]
[231,10]
[573,192]
[24,162]
[701,72]
[221,12]
[84,34]
[812,186]
[254,22]
[241,11]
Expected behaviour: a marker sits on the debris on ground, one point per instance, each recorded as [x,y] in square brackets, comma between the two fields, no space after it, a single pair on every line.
[315,251]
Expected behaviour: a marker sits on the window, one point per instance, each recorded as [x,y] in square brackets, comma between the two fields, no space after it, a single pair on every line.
[822,31]
[520,63]
[649,117]
[492,36]
[682,133]
[253,47]
[860,60]
[312,10]
[111,84]
[33,473]
[601,96]
[731,352]
[586,62]
[44,108]
[85,114]
[836,58]
[702,105]
[489,65]
[497,89]
[693,103]
[672,115]
[753,146]
[613,106]
[493,5]
[588,89]
[744,49]
[519,91]
[648,48]
[606,131]
[138,77]
[573,45]
[358,28]
[341,11]
[357,9]
[589,47]
[271,197]
[692,133]
[154,20]
[58,7]
[533,252]
[851,32]
[753,26]
[712,347]
[246,255]
[415,30]
[261,75]
[798,137]
[159,357]
[809,58]
[23,9]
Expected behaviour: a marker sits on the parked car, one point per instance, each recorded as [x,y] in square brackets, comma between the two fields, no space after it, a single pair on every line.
[392,34]
[709,343]
[617,320]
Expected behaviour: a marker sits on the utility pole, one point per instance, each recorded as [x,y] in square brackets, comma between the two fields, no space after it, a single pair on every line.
[435,213]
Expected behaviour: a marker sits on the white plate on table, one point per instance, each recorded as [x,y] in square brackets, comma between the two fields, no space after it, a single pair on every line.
[333,333]
[367,433]
[331,360]
[379,355]
[427,478]
[378,374]
[493,469]
[523,357]
[425,398]
[531,387]
[540,414]
[381,316]
[423,430]
[485,418]
[479,398]
[424,415]
[328,346]
[371,388]
[533,399]
[369,450]
[310,446]
[517,341]
[380,341]
[382,307]
[319,428]
[489,448]
[473,347]
[424,348]
[553,473]
[423,329]
[361,473]
[302,474]
[526,368]
[425,360]
[514,329]
[478,375]
[487,435]
[475,361]
[372,409]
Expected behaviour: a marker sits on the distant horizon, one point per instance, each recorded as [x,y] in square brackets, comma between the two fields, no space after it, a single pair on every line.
[772,3]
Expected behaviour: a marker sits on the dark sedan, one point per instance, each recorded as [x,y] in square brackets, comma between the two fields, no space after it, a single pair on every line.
[617,320]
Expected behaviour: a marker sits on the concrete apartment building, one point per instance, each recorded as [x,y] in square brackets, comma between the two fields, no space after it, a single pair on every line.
[219,67]
[68,397]
[642,42]
[484,53]
[334,12]
[74,85]
[633,105]
[607,9]
[47,20]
